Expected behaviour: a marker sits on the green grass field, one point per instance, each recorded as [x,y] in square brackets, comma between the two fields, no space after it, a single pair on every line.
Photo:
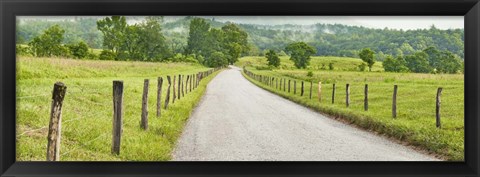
[88,108]
[415,122]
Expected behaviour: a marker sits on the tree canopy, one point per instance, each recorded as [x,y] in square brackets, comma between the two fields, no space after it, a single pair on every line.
[272,58]
[300,53]
[367,55]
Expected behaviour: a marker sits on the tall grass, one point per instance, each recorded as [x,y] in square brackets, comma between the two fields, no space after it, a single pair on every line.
[88,108]
[415,122]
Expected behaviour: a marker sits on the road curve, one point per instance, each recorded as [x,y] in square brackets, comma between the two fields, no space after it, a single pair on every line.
[238,121]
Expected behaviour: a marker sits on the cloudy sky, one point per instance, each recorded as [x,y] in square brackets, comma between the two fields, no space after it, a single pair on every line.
[395,22]
[392,22]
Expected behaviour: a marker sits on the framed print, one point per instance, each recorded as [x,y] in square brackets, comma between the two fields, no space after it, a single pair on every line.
[250,88]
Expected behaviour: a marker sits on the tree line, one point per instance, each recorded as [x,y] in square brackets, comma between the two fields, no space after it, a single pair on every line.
[145,41]
[216,44]
[429,60]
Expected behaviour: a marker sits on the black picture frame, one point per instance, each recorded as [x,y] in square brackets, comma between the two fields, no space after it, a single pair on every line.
[9,9]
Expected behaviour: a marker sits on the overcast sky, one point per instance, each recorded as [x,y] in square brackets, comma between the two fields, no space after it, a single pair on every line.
[396,22]
[392,22]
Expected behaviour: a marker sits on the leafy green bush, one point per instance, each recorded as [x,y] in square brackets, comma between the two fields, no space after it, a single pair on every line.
[79,50]
[362,67]
[107,55]
[49,43]
[310,74]
[330,66]
[22,50]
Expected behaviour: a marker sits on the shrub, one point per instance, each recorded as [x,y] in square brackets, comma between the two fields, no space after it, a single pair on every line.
[330,66]
[22,50]
[310,74]
[107,55]
[79,50]
[362,67]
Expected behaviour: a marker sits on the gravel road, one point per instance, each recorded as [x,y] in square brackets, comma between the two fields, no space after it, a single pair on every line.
[238,121]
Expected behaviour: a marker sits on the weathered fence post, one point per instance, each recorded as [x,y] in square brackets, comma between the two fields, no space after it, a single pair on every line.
[174,92]
[167,98]
[144,121]
[55,126]
[284,84]
[319,91]
[311,85]
[295,87]
[365,101]
[347,98]
[183,88]
[281,79]
[333,94]
[191,80]
[159,96]
[438,105]
[179,86]
[394,101]
[117,116]
[301,91]
[289,85]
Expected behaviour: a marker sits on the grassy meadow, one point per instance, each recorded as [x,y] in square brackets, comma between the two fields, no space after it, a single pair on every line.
[416,100]
[88,108]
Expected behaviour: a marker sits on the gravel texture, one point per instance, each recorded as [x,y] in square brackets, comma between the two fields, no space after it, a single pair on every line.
[238,121]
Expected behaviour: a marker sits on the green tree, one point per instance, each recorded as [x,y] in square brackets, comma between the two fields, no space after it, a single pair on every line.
[113,29]
[433,57]
[79,50]
[235,42]
[394,65]
[418,62]
[152,42]
[131,45]
[216,59]
[449,63]
[300,53]
[272,58]
[196,43]
[367,55]
[49,43]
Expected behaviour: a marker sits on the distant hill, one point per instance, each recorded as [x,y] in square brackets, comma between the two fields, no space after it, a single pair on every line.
[329,39]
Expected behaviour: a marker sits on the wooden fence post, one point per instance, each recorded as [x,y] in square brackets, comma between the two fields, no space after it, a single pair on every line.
[438,105]
[365,101]
[183,83]
[179,86]
[167,98]
[311,85]
[301,91]
[347,98]
[319,91]
[281,79]
[144,121]
[191,80]
[289,85]
[174,92]
[295,87]
[284,84]
[333,94]
[55,126]
[394,101]
[159,96]
[117,116]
